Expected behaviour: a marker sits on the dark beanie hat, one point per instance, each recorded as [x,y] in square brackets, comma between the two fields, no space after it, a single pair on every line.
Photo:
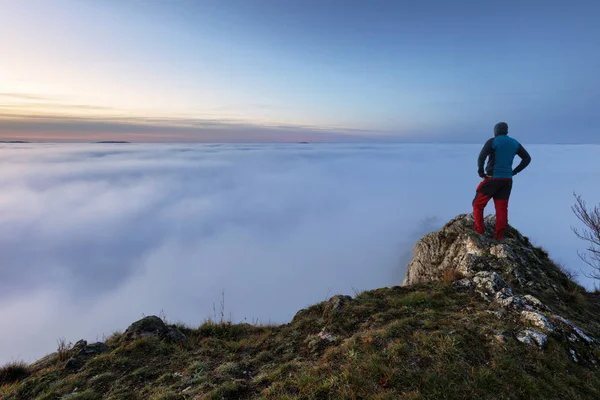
[501,128]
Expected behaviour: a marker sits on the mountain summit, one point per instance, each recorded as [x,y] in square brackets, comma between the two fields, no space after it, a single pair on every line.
[516,279]
[474,319]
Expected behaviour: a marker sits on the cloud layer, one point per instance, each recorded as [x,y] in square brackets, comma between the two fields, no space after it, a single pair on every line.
[93,236]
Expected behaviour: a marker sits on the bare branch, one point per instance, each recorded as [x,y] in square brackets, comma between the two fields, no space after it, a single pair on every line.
[590,217]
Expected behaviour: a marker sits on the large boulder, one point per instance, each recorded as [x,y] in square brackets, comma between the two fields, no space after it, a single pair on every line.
[456,247]
[153,326]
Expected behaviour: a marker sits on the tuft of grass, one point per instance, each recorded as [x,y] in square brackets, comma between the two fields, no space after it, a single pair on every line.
[13,372]
[415,299]
[115,339]
[63,350]
[223,330]
[450,275]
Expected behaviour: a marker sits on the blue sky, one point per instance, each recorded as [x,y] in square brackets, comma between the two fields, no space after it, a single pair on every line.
[267,70]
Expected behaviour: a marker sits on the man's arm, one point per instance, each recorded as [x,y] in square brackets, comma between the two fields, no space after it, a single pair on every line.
[525,160]
[485,151]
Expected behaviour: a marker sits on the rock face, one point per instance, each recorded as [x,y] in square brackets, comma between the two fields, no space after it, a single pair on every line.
[459,248]
[511,275]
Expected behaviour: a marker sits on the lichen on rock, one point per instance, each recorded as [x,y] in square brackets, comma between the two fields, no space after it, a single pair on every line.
[532,336]
[512,275]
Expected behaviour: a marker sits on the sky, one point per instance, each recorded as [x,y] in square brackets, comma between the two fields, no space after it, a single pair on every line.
[95,236]
[285,71]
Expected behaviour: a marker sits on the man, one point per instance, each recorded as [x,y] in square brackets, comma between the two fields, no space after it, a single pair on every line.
[497,177]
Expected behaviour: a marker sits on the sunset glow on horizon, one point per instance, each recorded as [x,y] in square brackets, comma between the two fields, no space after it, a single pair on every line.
[275,71]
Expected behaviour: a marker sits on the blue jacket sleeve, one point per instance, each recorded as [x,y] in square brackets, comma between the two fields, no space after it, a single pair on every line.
[485,152]
[525,160]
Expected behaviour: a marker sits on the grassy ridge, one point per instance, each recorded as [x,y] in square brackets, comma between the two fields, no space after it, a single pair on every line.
[419,342]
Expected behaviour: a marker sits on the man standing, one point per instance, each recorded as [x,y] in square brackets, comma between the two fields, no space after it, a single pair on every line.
[497,177]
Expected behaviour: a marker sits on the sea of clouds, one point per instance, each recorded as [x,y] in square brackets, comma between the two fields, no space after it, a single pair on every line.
[93,236]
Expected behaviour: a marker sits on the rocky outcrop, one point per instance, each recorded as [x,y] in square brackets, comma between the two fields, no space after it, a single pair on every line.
[457,247]
[338,302]
[84,351]
[153,326]
[511,275]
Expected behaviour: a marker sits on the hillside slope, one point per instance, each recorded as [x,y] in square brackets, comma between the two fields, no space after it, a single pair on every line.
[475,319]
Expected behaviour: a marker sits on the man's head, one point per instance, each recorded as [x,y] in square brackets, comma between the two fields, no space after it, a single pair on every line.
[501,128]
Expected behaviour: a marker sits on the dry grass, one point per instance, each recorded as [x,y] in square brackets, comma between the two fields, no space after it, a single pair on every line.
[420,342]
[63,350]
[13,372]
[450,275]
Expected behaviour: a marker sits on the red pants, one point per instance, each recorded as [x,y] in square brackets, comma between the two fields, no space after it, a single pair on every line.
[492,188]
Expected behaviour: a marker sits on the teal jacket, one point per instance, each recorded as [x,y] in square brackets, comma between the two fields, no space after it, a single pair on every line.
[501,151]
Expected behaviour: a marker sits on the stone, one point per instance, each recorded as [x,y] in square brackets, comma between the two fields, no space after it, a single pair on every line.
[491,285]
[457,247]
[338,302]
[538,320]
[534,303]
[532,336]
[319,342]
[473,248]
[73,364]
[94,349]
[326,336]
[576,332]
[497,314]
[515,303]
[146,327]
[573,338]
[80,345]
[501,251]
[463,285]
[153,326]
[574,355]
[174,335]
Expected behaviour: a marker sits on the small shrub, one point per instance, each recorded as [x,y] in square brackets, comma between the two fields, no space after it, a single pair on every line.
[13,372]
